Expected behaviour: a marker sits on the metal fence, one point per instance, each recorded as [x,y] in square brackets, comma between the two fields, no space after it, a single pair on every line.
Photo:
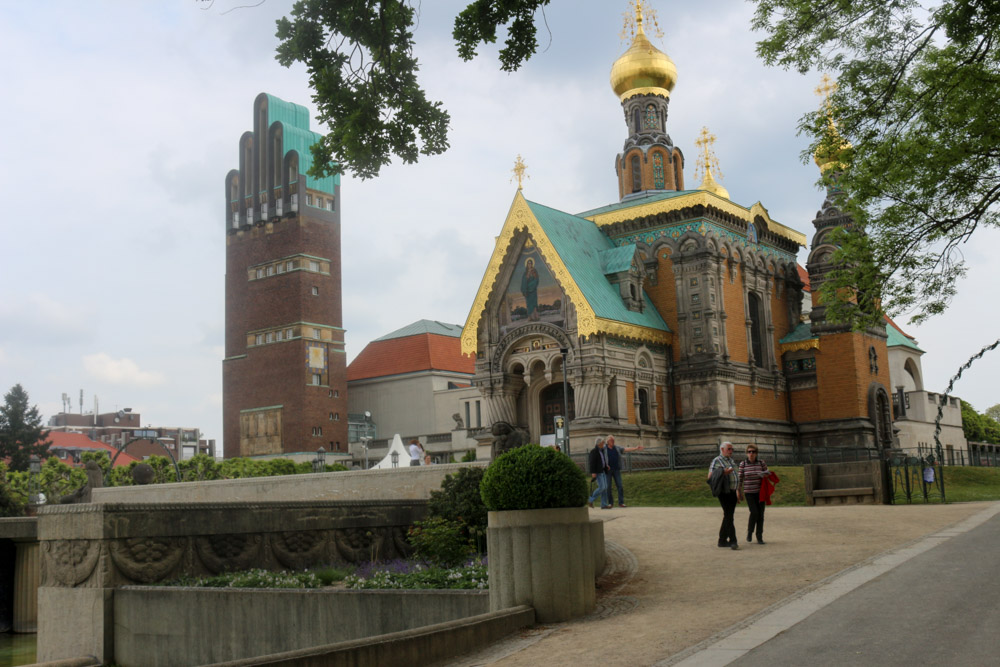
[686,457]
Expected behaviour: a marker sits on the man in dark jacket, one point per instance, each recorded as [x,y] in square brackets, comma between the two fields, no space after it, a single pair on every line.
[597,463]
[724,464]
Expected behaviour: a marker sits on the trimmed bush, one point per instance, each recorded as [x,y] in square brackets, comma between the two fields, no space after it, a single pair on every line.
[439,541]
[531,478]
[459,500]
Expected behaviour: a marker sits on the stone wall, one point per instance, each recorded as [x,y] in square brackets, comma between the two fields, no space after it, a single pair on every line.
[403,483]
[214,622]
[87,551]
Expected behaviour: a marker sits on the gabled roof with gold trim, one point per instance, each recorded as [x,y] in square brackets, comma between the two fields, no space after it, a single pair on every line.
[572,247]
[665,202]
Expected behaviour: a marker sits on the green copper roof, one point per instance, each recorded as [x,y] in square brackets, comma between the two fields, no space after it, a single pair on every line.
[616,260]
[637,201]
[581,246]
[802,332]
[897,338]
[296,135]
[425,326]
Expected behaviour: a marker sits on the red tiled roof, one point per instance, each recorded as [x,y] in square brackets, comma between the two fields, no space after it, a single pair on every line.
[804,277]
[410,354]
[63,439]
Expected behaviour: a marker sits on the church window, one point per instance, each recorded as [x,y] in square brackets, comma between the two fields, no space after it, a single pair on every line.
[636,174]
[694,282]
[658,181]
[643,406]
[697,331]
[635,120]
[696,315]
[695,298]
[756,329]
[699,348]
[651,123]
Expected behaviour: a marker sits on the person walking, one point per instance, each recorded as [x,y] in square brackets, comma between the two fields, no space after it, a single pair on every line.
[597,463]
[724,466]
[615,470]
[752,471]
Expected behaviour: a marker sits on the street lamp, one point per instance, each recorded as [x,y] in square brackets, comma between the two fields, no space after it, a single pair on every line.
[319,463]
[395,459]
[34,468]
[366,442]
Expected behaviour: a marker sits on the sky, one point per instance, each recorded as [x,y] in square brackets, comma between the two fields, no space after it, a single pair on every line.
[121,121]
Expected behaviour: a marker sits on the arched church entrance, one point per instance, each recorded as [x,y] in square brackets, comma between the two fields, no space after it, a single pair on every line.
[550,404]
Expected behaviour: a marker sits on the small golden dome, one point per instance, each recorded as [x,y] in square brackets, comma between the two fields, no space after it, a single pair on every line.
[711,185]
[831,151]
[643,69]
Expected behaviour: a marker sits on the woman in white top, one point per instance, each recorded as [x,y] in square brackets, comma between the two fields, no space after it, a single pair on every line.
[416,452]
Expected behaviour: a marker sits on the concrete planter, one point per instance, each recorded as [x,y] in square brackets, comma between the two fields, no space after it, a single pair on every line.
[545,559]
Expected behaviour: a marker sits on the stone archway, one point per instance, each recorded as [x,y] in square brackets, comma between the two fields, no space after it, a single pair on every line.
[550,404]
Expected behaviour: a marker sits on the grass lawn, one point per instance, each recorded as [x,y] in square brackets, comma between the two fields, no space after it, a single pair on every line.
[687,488]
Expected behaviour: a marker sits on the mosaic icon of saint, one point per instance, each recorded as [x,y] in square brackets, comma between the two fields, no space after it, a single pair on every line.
[529,288]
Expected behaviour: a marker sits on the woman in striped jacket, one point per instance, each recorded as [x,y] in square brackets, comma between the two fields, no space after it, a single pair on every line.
[751,472]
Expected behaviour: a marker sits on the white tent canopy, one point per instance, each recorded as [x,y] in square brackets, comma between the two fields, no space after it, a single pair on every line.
[396,446]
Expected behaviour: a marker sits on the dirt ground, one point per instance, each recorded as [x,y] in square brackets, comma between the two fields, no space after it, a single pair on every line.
[674,587]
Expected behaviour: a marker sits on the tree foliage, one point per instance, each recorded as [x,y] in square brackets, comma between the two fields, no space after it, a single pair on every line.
[979,428]
[21,432]
[918,99]
[359,55]
[993,412]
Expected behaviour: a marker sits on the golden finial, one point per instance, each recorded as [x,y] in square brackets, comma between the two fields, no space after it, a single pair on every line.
[632,24]
[707,163]
[829,153]
[825,89]
[518,171]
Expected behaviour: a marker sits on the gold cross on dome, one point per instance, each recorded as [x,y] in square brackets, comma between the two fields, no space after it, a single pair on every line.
[632,23]
[826,88]
[519,171]
[707,162]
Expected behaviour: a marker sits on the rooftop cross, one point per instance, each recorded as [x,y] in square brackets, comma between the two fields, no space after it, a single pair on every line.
[519,171]
[633,20]
[825,89]
[707,162]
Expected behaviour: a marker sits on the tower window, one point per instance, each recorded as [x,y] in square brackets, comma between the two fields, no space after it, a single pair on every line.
[635,120]
[756,329]
[288,334]
[317,379]
[289,265]
[651,122]
[636,174]
[643,406]
[313,265]
[658,180]
[315,291]
[270,270]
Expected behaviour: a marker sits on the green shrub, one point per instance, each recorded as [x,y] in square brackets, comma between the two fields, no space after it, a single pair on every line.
[459,500]
[10,504]
[469,456]
[439,541]
[533,477]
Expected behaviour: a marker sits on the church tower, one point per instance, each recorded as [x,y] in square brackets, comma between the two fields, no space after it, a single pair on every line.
[643,78]
[284,373]
[851,404]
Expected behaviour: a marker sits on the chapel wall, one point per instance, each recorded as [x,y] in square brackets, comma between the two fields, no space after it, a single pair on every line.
[765,404]
[736,323]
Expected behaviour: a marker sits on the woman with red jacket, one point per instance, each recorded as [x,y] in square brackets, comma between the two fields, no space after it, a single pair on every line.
[752,470]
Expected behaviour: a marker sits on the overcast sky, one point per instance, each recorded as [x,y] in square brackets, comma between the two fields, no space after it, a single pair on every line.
[121,121]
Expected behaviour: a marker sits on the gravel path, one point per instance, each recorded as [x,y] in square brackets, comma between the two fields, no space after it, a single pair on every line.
[668,587]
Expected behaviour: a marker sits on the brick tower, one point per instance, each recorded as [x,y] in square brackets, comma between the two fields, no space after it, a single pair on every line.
[284,381]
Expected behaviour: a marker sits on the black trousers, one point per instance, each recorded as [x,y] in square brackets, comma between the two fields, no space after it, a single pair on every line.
[727,532]
[756,515]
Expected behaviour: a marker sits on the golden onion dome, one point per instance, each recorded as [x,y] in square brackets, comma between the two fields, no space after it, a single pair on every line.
[711,185]
[643,69]
[831,151]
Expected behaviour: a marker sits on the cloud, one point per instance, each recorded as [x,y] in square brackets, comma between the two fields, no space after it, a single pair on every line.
[119,371]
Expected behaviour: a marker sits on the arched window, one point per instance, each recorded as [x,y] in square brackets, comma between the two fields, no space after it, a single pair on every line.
[651,122]
[636,174]
[643,406]
[756,329]
[635,120]
[658,171]
[678,174]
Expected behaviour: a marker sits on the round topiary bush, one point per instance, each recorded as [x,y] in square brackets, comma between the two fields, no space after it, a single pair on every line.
[531,478]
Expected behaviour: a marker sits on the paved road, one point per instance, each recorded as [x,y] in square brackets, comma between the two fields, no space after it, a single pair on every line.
[941,607]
